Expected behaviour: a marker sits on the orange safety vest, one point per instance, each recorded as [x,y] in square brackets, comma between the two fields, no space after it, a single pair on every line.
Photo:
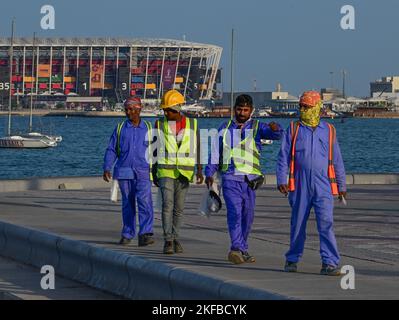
[331,170]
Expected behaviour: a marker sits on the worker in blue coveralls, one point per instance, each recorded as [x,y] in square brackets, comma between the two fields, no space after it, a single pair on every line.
[236,154]
[129,150]
[311,158]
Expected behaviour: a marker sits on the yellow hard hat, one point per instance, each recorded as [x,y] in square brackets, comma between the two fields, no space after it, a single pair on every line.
[172,98]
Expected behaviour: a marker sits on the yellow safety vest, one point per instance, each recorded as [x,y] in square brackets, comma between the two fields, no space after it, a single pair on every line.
[175,160]
[245,154]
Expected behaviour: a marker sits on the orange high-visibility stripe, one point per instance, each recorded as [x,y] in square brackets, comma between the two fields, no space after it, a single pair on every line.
[291,178]
[331,169]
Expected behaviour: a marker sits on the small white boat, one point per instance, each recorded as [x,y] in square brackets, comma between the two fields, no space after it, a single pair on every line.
[44,136]
[265,141]
[26,142]
[30,140]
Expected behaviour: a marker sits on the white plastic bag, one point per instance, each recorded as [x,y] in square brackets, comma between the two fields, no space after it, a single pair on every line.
[206,202]
[114,190]
[203,207]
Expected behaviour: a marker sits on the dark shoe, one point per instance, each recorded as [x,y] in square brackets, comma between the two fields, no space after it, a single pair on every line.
[125,241]
[177,246]
[168,247]
[235,257]
[145,239]
[290,266]
[247,257]
[328,270]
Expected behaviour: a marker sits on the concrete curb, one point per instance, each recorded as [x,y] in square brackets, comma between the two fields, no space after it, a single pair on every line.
[58,183]
[357,178]
[376,179]
[96,182]
[118,273]
[74,260]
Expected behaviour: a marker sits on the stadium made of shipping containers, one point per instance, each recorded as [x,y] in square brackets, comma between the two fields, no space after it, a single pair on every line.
[108,67]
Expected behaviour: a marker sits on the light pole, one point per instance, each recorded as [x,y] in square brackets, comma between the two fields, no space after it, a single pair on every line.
[344,73]
[31,89]
[232,75]
[11,65]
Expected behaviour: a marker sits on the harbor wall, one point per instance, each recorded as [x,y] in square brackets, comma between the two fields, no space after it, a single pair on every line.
[96,182]
[119,273]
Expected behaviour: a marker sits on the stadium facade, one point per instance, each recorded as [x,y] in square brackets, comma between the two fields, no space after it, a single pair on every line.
[108,67]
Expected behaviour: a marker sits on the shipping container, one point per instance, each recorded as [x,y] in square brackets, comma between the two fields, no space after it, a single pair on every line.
[29,79]
[137,86]
[137,79]
[56,78]
[150,86]
[44,70]
[69,79]
[16,78]
[137,71]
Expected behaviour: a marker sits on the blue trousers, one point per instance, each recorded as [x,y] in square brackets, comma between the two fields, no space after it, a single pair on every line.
[302,201]
[240,204]
[140,190]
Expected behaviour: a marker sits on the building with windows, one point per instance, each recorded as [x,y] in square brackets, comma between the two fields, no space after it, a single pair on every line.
[385,87]
[108,67]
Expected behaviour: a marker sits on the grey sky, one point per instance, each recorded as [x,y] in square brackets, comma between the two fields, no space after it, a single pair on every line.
[294,42]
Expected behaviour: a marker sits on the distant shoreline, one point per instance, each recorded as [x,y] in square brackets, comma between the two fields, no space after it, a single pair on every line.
[113,114]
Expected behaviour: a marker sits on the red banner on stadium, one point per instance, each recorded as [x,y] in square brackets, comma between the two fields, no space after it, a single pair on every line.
[168,77]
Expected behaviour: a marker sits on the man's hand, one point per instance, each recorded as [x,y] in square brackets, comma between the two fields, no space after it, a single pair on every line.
[341,194]
[283,188]
[209,181]
[200,178]
[107,176]
[274,126]
[155,180]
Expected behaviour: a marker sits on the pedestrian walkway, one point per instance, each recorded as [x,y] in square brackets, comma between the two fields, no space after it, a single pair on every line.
[22,282]
[367,233]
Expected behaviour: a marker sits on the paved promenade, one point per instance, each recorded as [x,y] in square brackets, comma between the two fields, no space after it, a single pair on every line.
[22,282]
[367,232]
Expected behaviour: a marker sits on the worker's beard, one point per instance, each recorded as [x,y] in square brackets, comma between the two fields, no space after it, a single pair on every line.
[243,120]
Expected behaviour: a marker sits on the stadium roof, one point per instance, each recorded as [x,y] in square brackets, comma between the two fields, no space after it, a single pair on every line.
[105,42]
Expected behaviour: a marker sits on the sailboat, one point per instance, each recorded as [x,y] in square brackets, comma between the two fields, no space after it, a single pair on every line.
[32,140]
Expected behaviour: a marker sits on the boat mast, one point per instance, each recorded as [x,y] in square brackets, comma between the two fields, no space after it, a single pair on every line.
[232,75]
[11,62]
[31,90]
